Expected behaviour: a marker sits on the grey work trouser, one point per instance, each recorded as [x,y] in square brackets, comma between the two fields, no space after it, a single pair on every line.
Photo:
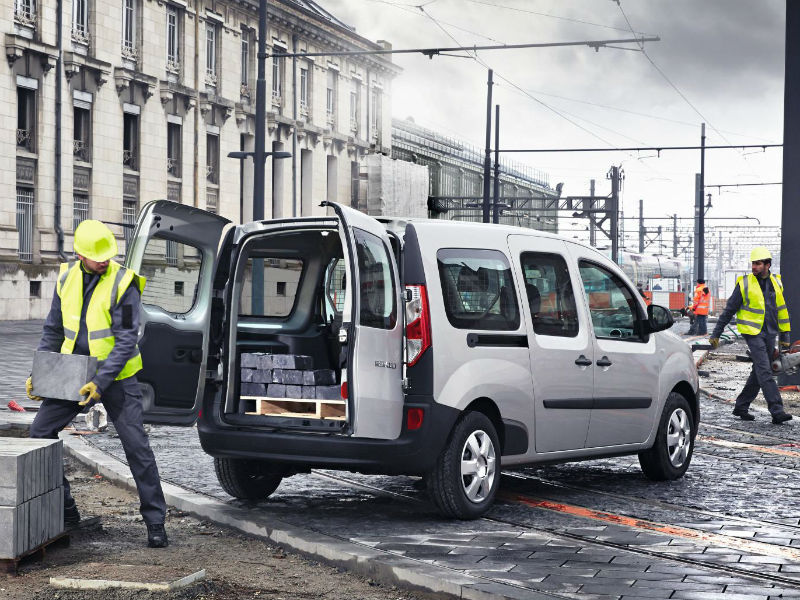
[761,346]
[123,402]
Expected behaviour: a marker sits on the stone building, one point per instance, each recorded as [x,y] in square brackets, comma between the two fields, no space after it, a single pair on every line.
[106,105]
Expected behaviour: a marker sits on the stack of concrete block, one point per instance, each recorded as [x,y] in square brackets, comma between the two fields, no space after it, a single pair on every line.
[286,376]
[31,494]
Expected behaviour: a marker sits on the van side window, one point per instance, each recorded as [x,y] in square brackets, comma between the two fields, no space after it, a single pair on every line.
[278,279]
[549,292]
[378,295]
[612,304]
[172,270]
[478,289]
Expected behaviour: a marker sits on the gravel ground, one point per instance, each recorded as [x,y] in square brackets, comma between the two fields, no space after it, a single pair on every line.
[237,566]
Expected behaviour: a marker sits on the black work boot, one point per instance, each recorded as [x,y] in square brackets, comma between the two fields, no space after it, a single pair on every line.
[157,535]
[72,517]
[781,418]
[744,414]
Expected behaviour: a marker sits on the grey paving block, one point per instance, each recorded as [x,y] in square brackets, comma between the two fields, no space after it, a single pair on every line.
[247,375]
[309,391]
[328,392]
[250,360]
[287,376]
[261,376]
[319,377]
[57,375]
[292,361]
[294,391]
[276,390]
[253,389]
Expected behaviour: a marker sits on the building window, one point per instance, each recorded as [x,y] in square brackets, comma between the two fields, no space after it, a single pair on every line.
[179,288]
[82,132]
[174,149]
[80,209]
[26,118]
[130,141]
[171,253]
[212,201]
[245,78]
[173,40]
[304,89]
[277,78]
[375,113]
[212,158]
[80,20]
[35,289]
[25,12]
[355,101]
[330,98]
[280,289]
[128,219]
[211,54]
[129,29]
[25,223]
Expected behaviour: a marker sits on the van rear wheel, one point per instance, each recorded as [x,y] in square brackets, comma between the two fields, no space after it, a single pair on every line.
[247,479]
[464,481]
[671,453]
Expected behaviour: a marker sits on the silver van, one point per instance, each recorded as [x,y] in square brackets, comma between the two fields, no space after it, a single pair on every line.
[430,348]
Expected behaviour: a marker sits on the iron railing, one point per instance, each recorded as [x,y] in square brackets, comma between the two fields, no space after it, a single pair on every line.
[25,223]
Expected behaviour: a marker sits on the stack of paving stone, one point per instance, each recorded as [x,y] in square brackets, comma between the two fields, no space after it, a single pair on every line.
[286,376]
[31,494]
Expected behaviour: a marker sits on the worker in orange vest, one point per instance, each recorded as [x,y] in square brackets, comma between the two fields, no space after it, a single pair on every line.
[700,310]
[698,292]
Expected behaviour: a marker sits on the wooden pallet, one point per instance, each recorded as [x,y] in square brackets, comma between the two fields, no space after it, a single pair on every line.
[11,565]
[307,408]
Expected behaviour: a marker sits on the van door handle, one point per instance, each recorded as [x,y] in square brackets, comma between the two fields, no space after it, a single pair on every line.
[603,362]
[582,361]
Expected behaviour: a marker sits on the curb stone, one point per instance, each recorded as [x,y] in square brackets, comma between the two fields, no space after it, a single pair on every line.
[388,568]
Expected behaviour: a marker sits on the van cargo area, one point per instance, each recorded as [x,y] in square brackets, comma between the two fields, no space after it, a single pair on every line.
[286,370]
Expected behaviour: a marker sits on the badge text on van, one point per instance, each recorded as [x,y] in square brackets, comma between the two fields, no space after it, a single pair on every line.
[383,363]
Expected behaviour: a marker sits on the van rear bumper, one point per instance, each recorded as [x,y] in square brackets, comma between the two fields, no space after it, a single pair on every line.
[413,453]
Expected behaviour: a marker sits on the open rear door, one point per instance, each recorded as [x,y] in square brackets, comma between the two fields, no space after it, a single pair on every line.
[373,327]
[175,247]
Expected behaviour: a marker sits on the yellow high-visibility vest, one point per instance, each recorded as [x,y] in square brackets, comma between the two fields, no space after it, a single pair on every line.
[750,318]
[106,294]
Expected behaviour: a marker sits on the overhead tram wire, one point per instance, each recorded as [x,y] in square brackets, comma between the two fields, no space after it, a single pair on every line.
[658,149]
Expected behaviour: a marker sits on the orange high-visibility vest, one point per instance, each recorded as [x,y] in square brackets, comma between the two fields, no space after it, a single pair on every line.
[702,304]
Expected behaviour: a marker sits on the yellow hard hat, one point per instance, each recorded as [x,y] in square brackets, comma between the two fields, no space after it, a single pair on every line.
[760,253]
[94,241]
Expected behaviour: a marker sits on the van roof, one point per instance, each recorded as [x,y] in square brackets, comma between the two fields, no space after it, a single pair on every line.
[398,225]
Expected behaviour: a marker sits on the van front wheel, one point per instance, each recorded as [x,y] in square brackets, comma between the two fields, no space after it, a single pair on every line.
[247,479]
[671,453]
[464,481]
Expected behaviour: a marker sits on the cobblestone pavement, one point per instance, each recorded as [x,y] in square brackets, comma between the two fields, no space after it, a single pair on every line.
[728,529]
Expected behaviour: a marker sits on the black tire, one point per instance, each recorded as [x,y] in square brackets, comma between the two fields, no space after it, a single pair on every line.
[669,458]
[447,486]
[247,479]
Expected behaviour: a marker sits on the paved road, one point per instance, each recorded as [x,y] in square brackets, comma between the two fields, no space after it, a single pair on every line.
[729,529]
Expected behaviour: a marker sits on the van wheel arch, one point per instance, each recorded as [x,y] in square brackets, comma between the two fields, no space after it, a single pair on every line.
[488,407]
[684,389]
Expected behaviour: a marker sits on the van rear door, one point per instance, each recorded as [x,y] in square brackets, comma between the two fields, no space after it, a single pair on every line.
[175,247]
[372,327]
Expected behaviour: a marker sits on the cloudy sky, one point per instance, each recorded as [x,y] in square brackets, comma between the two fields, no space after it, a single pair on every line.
[720,61]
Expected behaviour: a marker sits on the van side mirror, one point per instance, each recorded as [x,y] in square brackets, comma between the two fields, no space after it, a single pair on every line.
[658,318]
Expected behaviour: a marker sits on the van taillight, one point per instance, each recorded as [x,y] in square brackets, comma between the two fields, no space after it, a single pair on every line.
[414,418]
[418,330]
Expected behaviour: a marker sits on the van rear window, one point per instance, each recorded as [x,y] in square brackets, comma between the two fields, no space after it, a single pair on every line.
[478,289]
[276,281]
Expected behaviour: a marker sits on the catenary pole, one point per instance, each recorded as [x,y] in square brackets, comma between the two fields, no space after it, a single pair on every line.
[790,215]
[496,200]
[487,161]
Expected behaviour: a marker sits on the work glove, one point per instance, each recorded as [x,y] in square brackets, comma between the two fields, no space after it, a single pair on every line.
[29,390]
[90,391]
[714,342]
[785,346]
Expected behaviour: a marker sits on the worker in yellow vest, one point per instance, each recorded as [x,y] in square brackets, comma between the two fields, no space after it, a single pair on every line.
[95,312]
[761,316]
